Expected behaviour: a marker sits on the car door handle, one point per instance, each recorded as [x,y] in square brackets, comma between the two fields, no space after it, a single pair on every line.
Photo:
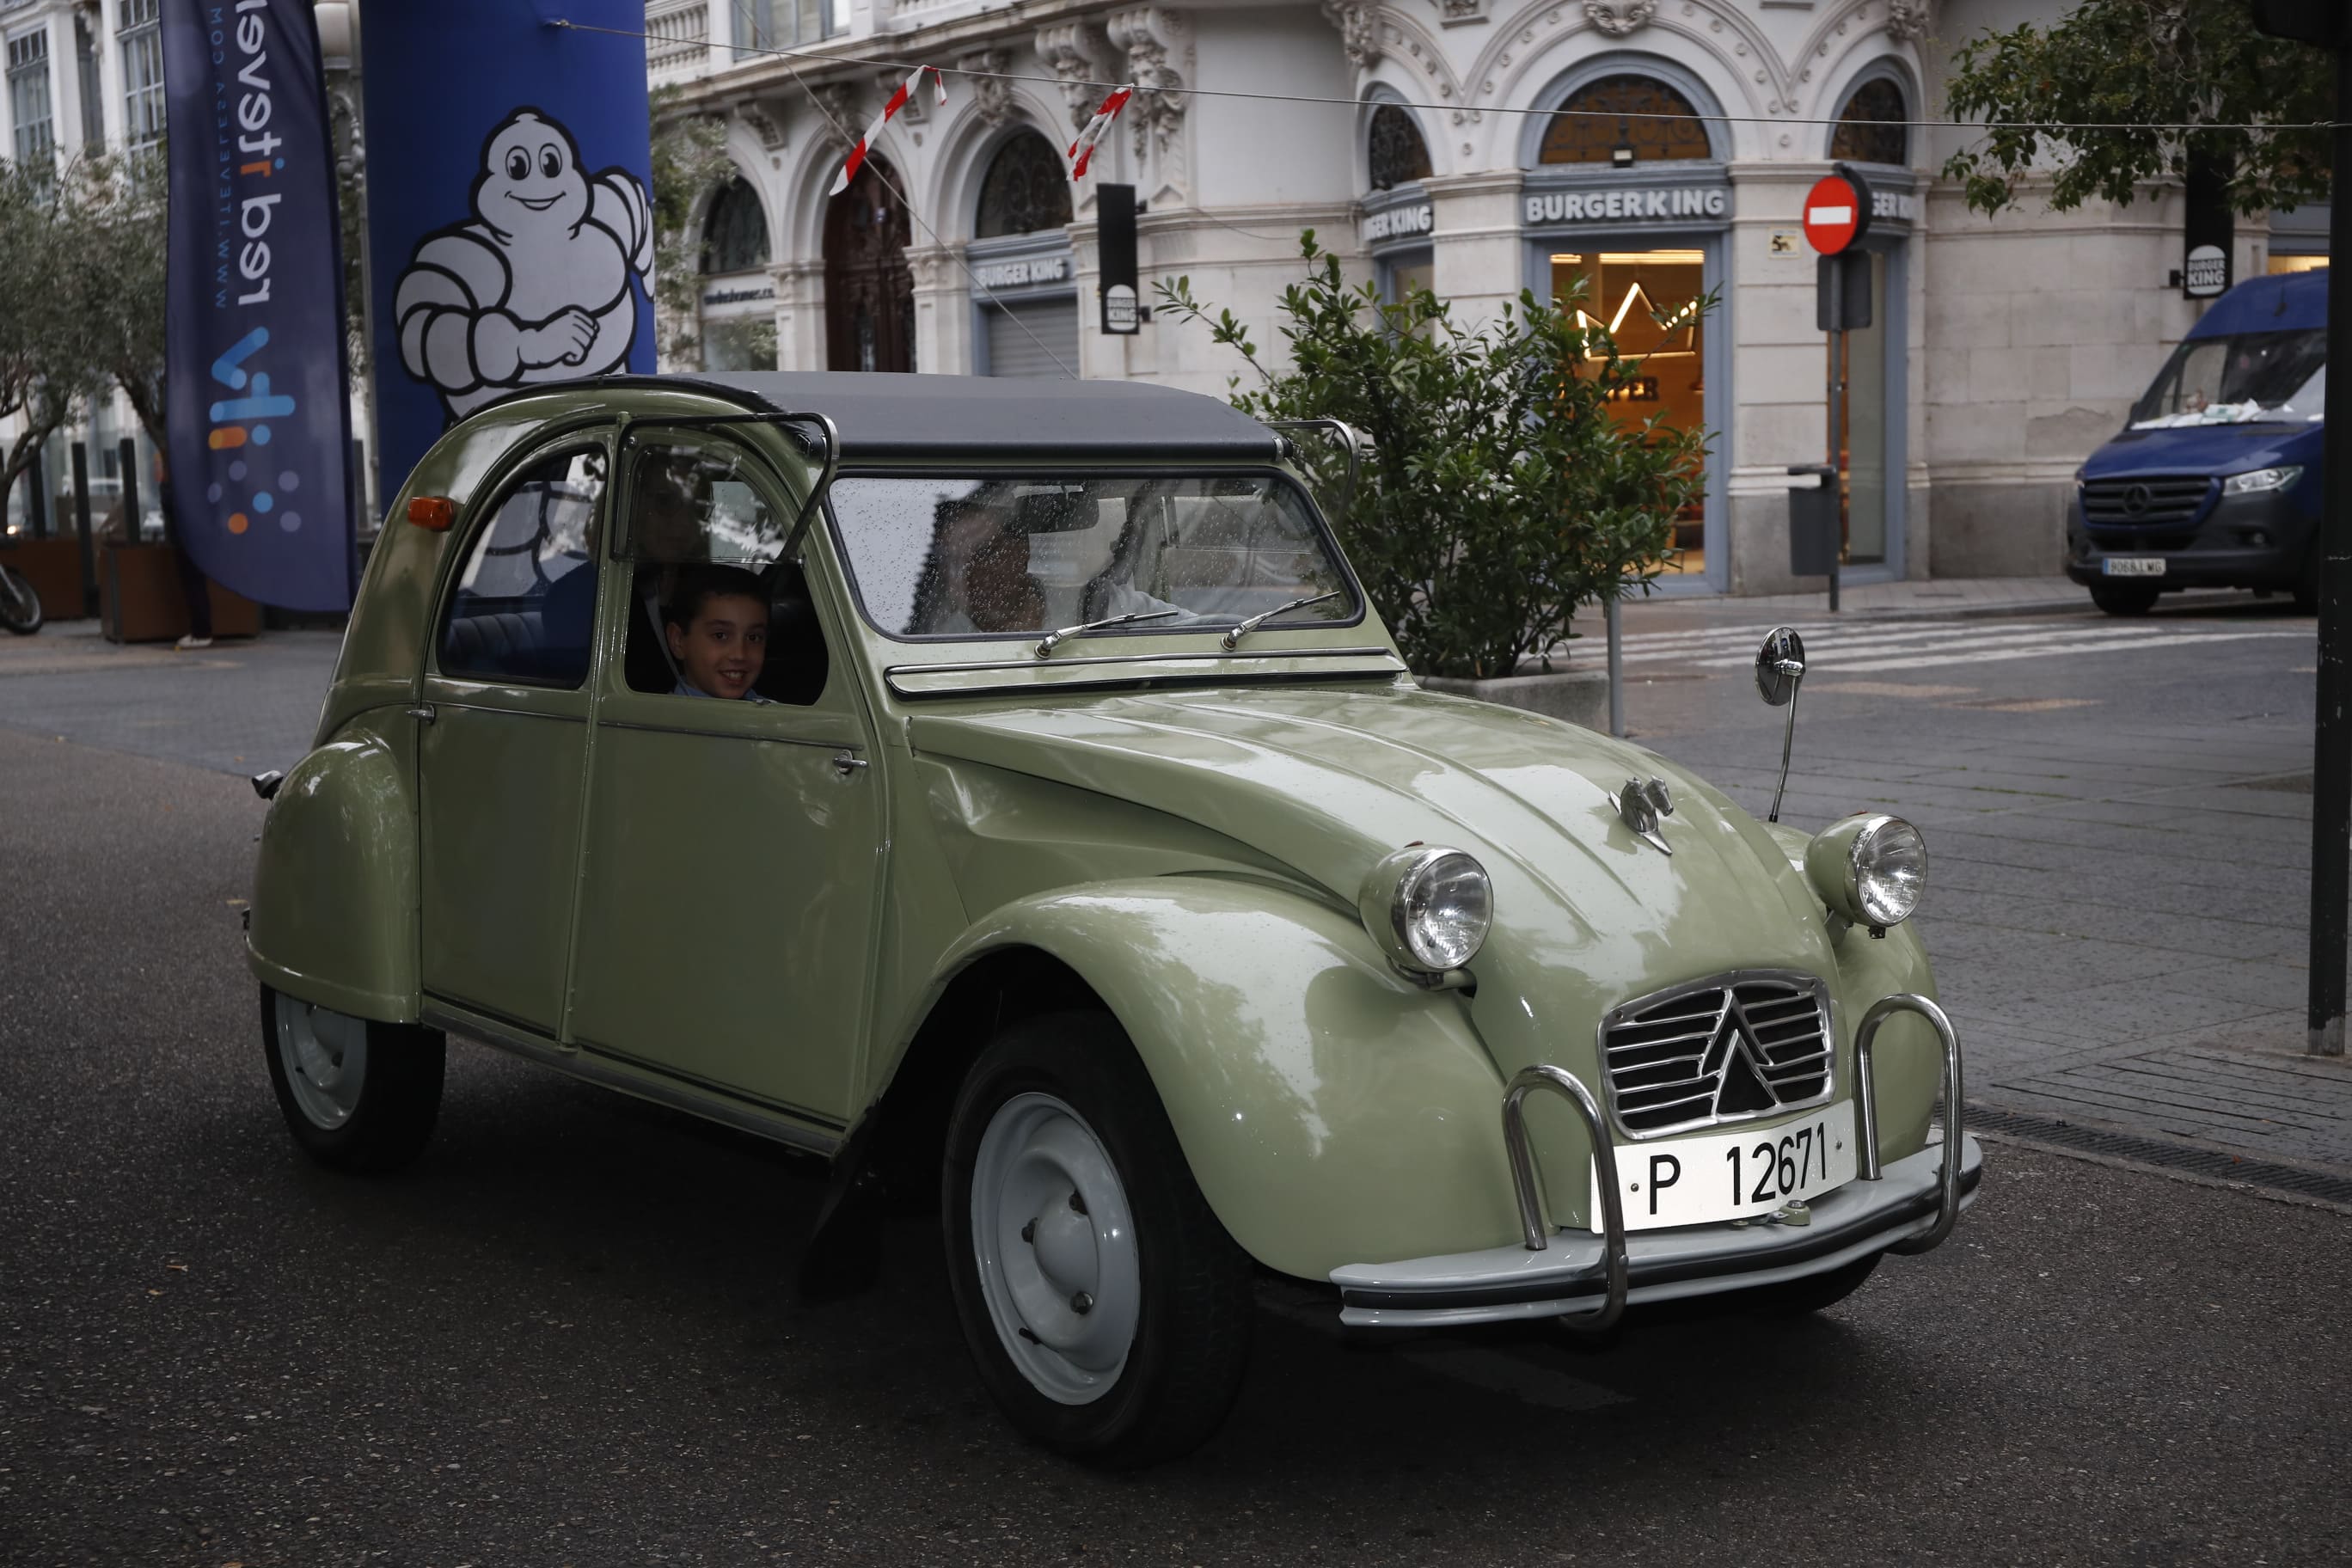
[422,713]
[846,763]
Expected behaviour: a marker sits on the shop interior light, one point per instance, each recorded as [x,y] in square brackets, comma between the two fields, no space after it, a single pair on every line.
[1621,155]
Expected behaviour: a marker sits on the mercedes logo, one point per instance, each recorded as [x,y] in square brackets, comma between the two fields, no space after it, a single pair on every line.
[2135,499]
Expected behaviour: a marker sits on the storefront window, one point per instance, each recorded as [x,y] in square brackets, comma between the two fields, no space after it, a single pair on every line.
[735,234]
[1870,127]
[1397,155]
[28,95]
[1025,189]
[1624,119]
[1647,302]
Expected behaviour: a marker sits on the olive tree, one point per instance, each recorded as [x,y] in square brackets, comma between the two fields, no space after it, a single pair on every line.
[50,361]
[1501,491]
[690,161]
[2124,76]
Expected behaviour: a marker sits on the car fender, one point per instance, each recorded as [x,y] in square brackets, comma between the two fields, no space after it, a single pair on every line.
[335,887]
[1331,1111]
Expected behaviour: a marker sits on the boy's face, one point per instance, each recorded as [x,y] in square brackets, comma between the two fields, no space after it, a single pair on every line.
[723,651]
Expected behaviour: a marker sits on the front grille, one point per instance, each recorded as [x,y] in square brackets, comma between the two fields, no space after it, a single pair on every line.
[2146,502]
[1744,1044]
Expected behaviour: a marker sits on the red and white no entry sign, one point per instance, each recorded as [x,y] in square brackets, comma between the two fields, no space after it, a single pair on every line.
[1836,214]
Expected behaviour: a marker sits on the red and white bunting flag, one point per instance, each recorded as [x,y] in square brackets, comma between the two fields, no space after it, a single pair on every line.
[898,101]
[1082,151]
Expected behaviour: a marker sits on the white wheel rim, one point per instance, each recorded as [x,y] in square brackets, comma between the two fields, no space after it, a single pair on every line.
[1065,1296]
[324,1054]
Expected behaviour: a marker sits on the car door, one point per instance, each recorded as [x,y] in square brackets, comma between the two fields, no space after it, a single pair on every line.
[502,748]
[733,846]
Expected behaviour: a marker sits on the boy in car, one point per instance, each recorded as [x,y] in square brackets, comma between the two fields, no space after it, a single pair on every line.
[717,625]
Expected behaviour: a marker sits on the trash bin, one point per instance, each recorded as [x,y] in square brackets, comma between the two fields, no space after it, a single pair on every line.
[1813,521]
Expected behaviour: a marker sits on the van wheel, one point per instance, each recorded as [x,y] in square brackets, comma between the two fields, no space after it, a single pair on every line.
[357,1095]
[2124,598]
[1109,1313]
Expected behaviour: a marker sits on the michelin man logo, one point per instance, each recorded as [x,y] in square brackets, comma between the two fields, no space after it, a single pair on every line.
[535,286]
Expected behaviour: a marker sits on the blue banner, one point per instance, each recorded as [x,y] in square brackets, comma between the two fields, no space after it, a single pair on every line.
[255,407]
[509,228]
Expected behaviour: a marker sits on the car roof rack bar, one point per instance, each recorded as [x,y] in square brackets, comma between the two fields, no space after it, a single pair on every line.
[1356,442]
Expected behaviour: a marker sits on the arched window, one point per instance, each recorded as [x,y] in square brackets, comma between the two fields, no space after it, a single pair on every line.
[735,234]
[1870,127]
[1399,155]
[1024,190]
[1625,120]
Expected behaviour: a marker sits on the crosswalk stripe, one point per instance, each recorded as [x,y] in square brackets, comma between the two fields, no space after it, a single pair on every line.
[1973,639]
[2049,648]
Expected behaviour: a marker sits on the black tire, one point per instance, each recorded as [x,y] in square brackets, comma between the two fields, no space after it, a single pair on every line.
[1795,1298]
[393,1106]
[2124,598]
[20,605]
[1191,1342]
[2306,581]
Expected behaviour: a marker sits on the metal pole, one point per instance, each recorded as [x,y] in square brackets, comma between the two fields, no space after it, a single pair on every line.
[81,524]
[37,513]
[126,458]
[2331,761]
[1616,675]
[1837,433]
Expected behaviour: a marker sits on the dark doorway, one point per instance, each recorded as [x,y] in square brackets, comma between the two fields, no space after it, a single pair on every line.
[869,294]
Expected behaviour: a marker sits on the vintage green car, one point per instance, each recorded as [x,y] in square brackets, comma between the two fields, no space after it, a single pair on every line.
[1121,887]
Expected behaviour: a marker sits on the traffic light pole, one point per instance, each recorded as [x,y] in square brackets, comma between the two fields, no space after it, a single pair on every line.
[1836,480]
[2331,762]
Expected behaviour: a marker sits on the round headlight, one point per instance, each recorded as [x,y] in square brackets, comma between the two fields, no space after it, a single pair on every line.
[1428,907]
[1870,868]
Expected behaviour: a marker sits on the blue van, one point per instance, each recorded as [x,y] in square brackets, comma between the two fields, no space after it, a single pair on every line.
[2214,483]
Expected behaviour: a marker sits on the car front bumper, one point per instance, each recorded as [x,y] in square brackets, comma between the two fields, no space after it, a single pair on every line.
[1587,1280]
[2219,549]
[1569,1276]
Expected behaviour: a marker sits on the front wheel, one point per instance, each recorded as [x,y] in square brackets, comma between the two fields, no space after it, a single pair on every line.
[20,605]
[2124,598]
[1108,1310]
[357,1095]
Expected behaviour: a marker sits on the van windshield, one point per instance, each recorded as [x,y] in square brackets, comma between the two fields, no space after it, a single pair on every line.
[2274,376]
[1005,556]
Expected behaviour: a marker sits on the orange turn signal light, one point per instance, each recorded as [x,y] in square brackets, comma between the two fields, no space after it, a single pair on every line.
[435,512]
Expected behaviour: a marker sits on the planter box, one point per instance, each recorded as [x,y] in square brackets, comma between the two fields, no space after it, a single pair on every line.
[1580,696]
[53,567]
[140,598]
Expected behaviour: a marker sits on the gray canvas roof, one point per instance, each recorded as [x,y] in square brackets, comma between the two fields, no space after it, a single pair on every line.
[887,416]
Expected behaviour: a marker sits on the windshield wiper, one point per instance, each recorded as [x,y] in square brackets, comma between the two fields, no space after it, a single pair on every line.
[1232,639]
[1046,645]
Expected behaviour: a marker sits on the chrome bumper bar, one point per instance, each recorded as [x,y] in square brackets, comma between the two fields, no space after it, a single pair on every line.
[1588,1280]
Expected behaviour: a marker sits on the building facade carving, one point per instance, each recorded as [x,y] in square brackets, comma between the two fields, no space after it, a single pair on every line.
[1620,18]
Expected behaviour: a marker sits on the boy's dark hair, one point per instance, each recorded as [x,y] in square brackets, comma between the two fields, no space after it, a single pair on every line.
[699,585]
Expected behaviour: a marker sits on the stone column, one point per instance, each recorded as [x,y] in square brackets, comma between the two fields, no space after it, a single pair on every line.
[800,314]
[1478,253]
[943,311]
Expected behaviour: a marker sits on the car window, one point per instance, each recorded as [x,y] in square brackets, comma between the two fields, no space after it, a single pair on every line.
[526,603]
[699,535]
[1015,556]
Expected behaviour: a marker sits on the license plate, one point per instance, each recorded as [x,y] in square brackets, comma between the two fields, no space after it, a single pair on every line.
[1745,1174]
[2133,566]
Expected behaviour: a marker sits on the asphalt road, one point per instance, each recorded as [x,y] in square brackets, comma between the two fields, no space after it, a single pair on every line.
[566,1337]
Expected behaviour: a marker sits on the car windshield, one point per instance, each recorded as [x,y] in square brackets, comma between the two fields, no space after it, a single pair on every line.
[940,557]
[2236,380]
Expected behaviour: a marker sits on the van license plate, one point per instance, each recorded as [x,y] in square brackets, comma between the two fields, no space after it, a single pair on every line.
[2133,566]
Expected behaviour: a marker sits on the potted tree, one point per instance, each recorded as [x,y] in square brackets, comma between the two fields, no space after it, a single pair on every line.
[1501,491]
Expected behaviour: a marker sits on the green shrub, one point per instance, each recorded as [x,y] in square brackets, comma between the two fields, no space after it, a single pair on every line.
[1500,494]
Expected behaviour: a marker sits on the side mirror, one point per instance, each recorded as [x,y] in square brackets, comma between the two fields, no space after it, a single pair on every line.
[1780,671]
[1780,666]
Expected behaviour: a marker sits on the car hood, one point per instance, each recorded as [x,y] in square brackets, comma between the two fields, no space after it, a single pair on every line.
[1329,780]
[2203,449]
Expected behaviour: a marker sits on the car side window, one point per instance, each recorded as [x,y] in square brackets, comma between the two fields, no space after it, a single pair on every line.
[714,611]
[525,604]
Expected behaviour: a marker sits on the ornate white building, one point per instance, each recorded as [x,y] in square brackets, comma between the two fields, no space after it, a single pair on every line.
[2003,352]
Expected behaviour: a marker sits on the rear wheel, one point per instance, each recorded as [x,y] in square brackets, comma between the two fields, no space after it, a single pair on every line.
[357,1095]
[1108,1310]
[20,605]
[2124,598]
